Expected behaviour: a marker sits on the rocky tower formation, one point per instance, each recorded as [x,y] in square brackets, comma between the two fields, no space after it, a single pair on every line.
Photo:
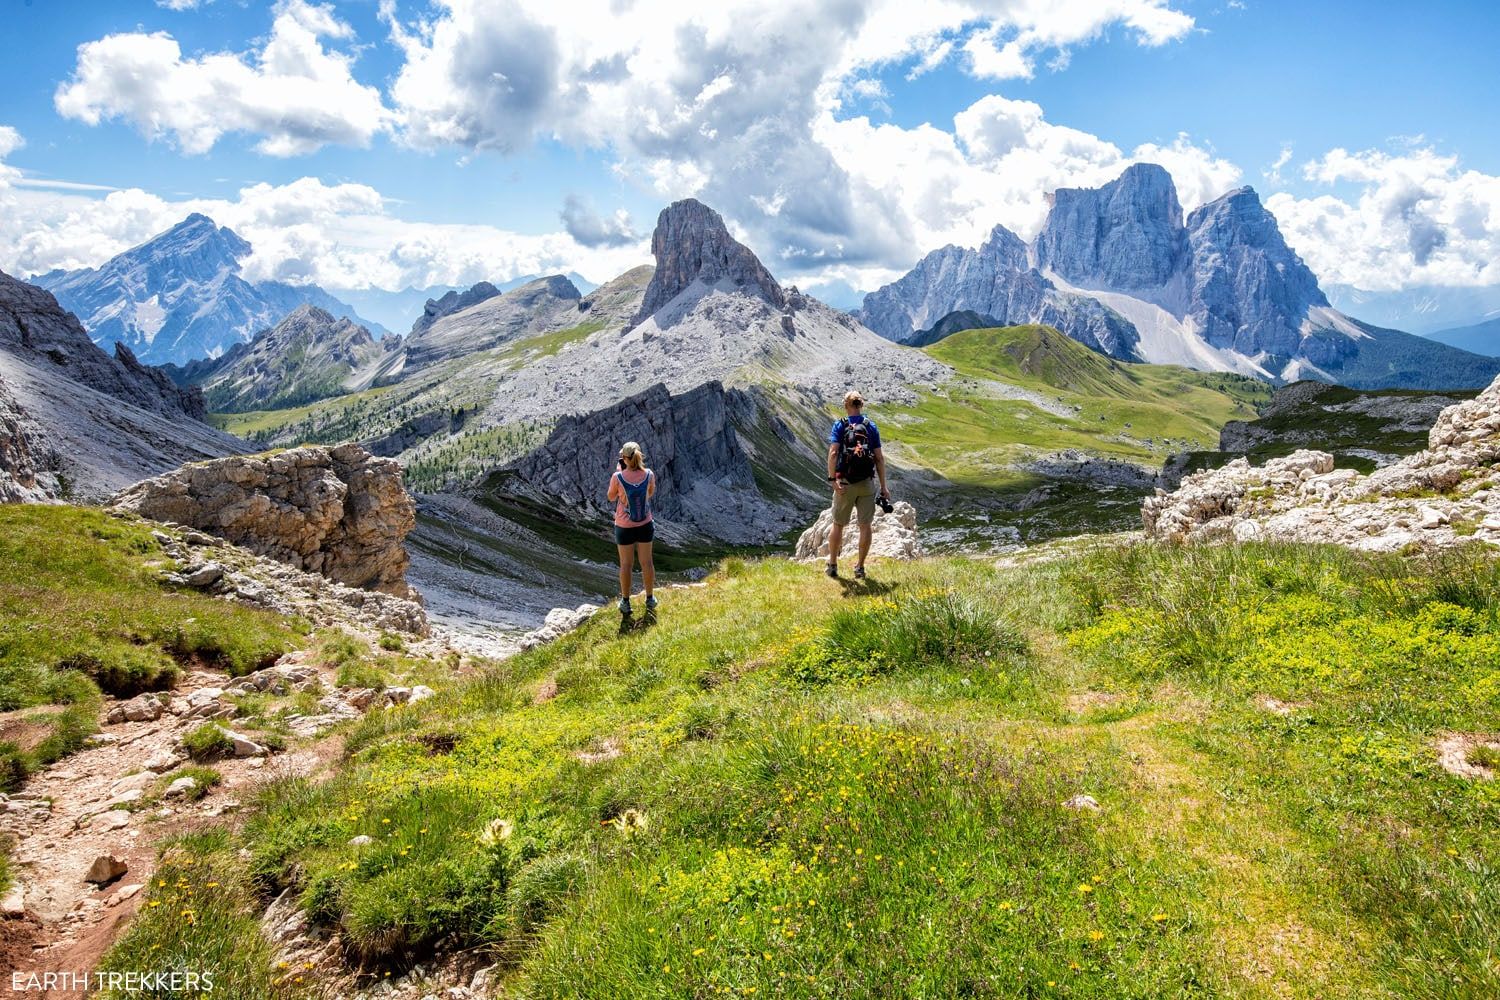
[34,327]
[1249,290]
[338,511]
[1446,495]
[691,243]
[1126,235]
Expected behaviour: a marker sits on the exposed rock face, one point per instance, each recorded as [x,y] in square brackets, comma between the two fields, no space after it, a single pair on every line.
[179,296]
[691,243]
[18,482]
[34,327]
[537,307]
[452,302]
[1126,235]
[1445,495]
[1118,269]
[1250,291]
[995,281]
[704,478]
[76,423]
[893,536]
[338,511]
[309,355]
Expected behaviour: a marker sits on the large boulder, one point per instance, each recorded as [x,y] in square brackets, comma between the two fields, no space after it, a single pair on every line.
[894,536]
[339,512]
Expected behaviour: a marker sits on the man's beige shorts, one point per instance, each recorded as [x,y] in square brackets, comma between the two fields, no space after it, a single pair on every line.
[855,495]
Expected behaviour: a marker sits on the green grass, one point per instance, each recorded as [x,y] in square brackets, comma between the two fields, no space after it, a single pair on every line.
[797,787]
[253,423]
[82,609]
[971,435]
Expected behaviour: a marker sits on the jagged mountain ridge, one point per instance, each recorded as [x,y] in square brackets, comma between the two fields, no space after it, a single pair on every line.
[308,356]
[179,296]
[1217,290]
[76,422]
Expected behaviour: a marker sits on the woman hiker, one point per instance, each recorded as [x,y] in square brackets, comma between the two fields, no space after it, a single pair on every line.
[632,487]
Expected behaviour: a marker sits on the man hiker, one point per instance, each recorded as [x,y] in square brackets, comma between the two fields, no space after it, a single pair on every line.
[854,460]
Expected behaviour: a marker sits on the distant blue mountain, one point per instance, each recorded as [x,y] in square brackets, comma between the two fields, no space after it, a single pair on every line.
[1481,338]
[179,296]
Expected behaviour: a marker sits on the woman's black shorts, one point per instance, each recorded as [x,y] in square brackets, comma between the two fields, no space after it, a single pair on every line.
[641,533]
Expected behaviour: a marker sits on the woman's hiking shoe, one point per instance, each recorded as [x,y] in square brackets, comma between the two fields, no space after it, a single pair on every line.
[650,602]
[625,606]
[832,569]
[859,572]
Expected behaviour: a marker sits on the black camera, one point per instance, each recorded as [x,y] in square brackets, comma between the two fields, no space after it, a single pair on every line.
[884,503]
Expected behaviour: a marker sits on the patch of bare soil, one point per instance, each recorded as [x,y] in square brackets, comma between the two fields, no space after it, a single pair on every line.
[1276,706]
[26,727]
[1457,753]
[1086,702]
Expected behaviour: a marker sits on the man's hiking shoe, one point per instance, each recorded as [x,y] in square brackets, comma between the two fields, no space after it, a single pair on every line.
[650,602]
[859,572]
[625,606]
[832,569]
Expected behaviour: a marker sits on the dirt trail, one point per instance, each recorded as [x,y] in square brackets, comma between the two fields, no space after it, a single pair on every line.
[70,814]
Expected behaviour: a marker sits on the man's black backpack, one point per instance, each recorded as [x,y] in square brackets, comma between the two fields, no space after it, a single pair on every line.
[856,456]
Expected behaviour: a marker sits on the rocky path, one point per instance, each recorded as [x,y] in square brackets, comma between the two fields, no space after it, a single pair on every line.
[87,829]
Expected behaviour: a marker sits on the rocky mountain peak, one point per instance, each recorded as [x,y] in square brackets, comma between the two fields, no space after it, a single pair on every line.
[1250,291]
[452,302]
[691,243]
[1127,234]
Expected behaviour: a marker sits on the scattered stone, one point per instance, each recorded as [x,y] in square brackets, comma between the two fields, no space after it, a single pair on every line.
[111,820]
[182,786]
[244,746]
[134,781]
[105,869]
[13,901]
[558,623]
[894,536]
[420,692]
[1083,803]
[142,708]
[361,840]
[128,797]
[203,576]
[163,760]
[124,893]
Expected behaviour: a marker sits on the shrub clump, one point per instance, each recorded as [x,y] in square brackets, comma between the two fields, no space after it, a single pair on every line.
[934,628]
[208,742]
[540,887]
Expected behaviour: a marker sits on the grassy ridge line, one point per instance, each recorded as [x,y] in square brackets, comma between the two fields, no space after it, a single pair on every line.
[794,789]
[973,437]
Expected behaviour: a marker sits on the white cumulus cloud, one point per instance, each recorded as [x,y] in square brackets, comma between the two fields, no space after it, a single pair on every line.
[1390,220]
[294,93]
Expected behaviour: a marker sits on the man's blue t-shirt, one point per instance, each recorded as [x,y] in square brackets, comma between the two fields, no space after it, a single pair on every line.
[837,434]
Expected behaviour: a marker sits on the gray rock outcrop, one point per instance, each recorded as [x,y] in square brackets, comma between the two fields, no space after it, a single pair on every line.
[452,302]
[537,307]
[1445,495]
[691,243]
[893,536]
[705,481]
[339,512]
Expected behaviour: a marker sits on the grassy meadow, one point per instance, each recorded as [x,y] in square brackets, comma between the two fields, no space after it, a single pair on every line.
[793,786]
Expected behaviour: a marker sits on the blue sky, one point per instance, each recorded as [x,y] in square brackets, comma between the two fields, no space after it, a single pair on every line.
[811,131]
